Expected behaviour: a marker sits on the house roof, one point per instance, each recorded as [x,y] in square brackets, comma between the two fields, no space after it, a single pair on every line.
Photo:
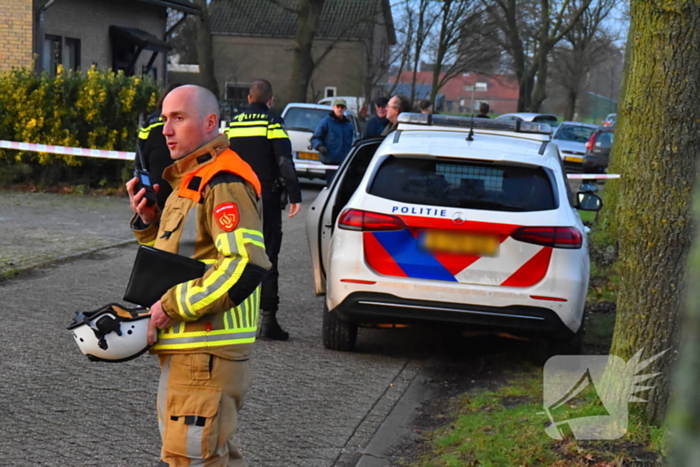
[349,19]
[183,5]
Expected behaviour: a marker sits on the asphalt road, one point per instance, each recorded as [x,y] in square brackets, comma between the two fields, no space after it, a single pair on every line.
[308,406]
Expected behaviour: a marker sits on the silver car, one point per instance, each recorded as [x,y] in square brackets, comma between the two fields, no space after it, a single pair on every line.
[571,138]
[301,121]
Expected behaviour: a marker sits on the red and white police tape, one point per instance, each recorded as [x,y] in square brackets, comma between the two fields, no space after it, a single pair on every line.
[129,156]
[49,148]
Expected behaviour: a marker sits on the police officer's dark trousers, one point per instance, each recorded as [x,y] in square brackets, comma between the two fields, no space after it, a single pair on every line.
[272,231]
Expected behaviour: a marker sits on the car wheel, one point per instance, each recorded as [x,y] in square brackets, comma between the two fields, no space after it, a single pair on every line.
[337,334]
[573,345]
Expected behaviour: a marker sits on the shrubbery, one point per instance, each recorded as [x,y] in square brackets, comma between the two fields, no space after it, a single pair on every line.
[97,109]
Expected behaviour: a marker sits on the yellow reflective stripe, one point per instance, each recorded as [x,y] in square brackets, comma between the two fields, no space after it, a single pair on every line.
[272,126]
[151,243]
[209,261]
[144,132]
[193,339]
[248,123]
[194,298]
[277,134]
[244,132]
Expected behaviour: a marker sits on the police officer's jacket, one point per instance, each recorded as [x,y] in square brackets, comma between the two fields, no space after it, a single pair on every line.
[217,313]
[259,137]
[155,154]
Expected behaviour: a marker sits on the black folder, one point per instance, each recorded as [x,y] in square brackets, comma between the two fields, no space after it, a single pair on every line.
[155,271]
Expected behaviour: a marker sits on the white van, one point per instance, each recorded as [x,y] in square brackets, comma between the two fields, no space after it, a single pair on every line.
[354,103]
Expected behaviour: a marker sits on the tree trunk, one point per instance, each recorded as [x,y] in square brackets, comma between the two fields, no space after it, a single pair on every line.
[205,49]
[571,98]
[650,208]
[303,63]
[540,92]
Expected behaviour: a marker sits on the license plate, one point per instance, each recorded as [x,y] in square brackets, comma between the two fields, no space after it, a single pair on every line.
[573,159]
[312,156]
[445,241]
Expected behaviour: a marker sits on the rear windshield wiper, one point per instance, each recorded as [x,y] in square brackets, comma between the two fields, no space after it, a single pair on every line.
[477,204]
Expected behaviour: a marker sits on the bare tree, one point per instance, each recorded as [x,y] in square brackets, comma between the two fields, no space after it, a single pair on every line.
[205,48]
[402,53]
[425,19]
[460,43]
[528,31]
[585,46]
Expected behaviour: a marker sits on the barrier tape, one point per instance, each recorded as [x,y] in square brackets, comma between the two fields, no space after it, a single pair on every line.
[129,156]
[66,150]
[592,176]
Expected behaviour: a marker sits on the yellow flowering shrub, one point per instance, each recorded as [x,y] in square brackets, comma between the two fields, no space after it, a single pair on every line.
[96,109]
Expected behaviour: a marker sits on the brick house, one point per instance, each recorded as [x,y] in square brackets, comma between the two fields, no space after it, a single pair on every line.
[253,38]
[500,92]
[128,35]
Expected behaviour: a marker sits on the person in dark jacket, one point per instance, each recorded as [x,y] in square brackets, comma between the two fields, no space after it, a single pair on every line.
[397,105]
[154,151]
[376,124]
[483,110]
[258,136]
[333,137]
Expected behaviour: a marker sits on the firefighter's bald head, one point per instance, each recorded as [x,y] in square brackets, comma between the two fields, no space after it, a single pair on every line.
[191,115]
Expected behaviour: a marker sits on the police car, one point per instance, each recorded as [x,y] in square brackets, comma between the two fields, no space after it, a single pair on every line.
[455,220]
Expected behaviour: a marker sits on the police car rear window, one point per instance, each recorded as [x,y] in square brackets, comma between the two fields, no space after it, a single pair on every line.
[466,185]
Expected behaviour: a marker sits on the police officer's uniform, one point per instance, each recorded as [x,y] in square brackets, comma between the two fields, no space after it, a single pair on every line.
[259,137]
[156,155]
[205,371]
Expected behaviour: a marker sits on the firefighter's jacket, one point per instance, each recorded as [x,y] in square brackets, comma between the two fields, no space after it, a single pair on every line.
[218,313]
[259,137]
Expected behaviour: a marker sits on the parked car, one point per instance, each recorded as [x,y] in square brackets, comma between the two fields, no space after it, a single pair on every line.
[598,149]
[436,225]
[301,121]
[610,120]
[549,119]
[571,138]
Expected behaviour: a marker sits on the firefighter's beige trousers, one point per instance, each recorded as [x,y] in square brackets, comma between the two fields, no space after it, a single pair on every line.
[199,397]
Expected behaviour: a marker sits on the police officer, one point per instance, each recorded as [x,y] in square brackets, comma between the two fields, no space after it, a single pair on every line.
[206,325]
[259,137]
[154,151]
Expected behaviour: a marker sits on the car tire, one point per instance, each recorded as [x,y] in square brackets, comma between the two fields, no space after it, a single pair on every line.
[337,334]
[573,345]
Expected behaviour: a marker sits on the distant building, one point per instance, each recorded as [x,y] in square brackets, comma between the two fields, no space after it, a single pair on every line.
[500,92]
[255,39]
[127,35]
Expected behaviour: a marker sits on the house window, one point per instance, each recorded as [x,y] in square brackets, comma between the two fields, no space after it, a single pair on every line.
[71,53]
[60,51]
[481,86]
[236,98]
[330,91]
[52,54]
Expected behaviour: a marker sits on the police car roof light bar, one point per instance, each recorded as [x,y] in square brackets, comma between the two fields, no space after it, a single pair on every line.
[478,123]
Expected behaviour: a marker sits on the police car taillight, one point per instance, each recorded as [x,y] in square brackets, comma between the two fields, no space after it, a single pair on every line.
[555,237]
[366,221]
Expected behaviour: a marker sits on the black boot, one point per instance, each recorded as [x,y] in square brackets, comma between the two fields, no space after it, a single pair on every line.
[270,328]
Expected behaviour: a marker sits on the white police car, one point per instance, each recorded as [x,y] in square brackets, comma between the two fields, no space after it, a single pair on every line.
[439,223]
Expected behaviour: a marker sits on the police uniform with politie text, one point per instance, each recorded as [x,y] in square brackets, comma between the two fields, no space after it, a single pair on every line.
[207,326]
[259,137]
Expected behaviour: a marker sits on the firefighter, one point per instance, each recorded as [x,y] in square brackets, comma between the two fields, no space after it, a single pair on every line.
[259,137]
[207,326]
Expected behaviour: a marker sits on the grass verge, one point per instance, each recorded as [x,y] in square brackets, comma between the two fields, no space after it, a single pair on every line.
[504,425]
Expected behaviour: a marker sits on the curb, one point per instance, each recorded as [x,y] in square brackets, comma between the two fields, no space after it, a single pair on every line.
[63,258]
[396,426]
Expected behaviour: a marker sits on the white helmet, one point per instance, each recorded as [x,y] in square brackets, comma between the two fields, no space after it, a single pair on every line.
[111,334]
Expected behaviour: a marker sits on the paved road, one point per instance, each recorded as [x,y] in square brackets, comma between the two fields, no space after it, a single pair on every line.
[307,407]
